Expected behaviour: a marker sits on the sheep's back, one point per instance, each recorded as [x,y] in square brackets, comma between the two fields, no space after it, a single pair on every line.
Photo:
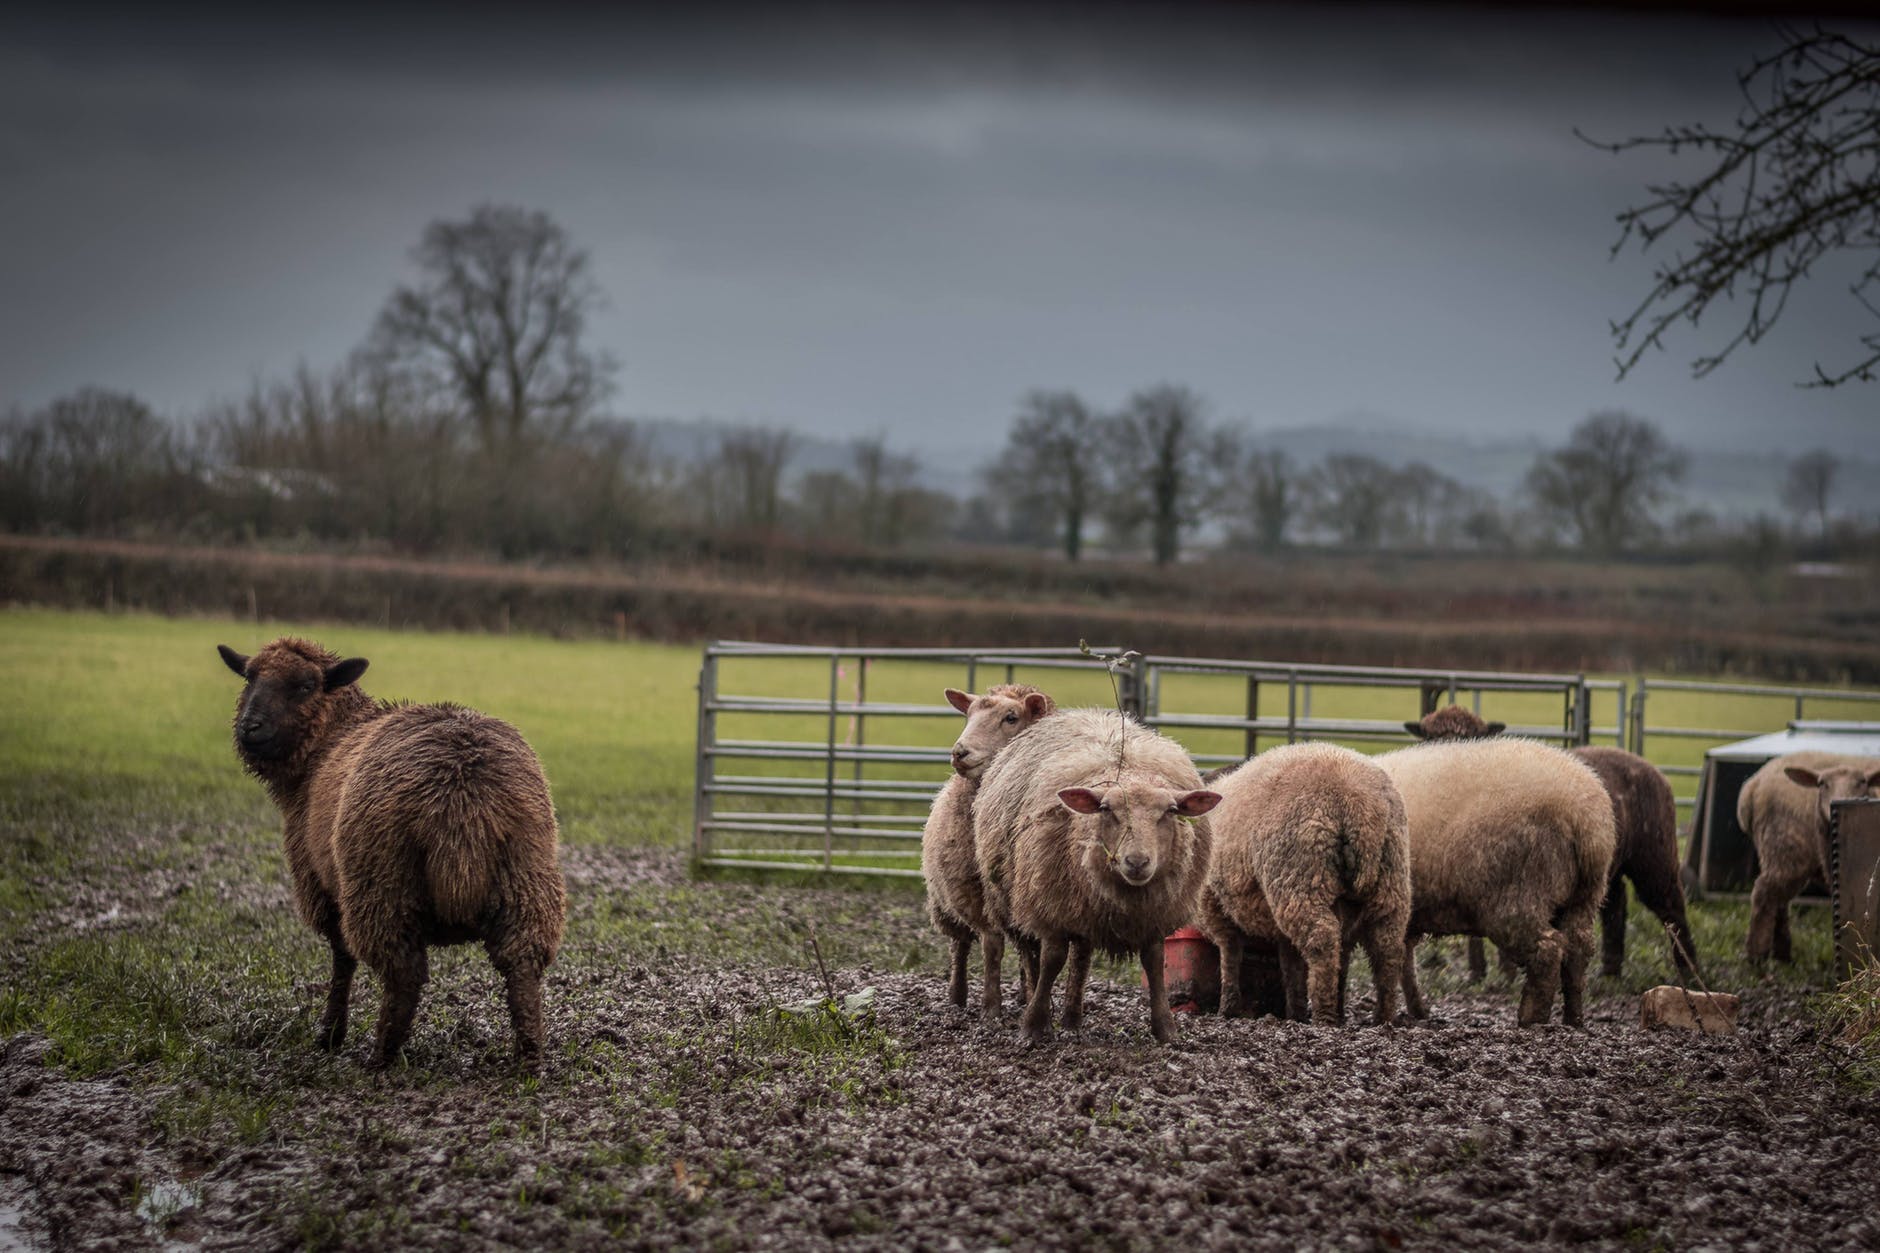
[1464,799]
[1301,808]
[455,792]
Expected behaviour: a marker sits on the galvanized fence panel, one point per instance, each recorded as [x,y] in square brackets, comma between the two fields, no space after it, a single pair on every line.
[827,760]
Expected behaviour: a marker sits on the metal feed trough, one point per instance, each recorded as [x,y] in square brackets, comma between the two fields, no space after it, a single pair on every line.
[827,759]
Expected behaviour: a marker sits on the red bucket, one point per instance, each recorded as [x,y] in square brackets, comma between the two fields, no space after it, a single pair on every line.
[1192,967]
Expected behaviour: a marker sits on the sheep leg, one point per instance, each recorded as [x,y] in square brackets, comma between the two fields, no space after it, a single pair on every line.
[331,1032]
[1073,1019]
[1506,964]
[1612,929]
[1768,901]
[1784,952]
[404,974]
[1027,966]
[1542,960]
[1386,953]
[992,954]
[1292,969]
[1233,946]
[1573,964]
[1161,1018]
[1478,960]
[1037,1022]
[1412,995]
[1660,891]
[1320,951]
[962,949]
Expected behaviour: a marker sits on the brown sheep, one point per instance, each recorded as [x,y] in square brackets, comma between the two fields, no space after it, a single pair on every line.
[955,897]
[1511,839]
[1311,851]
[1645,822]
[1090,829]
[406,826]
[1784,808]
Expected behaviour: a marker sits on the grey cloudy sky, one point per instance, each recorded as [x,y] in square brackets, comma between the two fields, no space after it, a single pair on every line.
[851,220]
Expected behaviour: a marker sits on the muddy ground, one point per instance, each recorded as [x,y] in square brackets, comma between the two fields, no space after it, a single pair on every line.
[678,1108]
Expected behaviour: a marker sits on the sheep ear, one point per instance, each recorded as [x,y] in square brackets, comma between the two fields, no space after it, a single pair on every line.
[1080,800]
[1806,778]
[1494,728]
[961,701]
[1037,705]
[1873,779]
[233,660]
[1194,804]
[343,673]
[1416,729]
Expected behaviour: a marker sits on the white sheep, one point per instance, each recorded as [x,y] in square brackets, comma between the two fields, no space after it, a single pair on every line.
[1090,830]
[1310,850]
[1509,839]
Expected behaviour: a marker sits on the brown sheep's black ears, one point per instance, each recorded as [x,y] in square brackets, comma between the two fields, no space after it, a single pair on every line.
[1037,705]
[1801,777]
[233,660]
[962,701]
[342,673]
[1194,804]
[1494,728]
[1081,800]
[1416,729]
[1873,779]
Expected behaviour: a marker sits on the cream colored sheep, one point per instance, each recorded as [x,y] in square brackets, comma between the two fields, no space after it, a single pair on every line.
[1310,850]
[1089,830]
[1509,839]
[1784,808]
[955,899]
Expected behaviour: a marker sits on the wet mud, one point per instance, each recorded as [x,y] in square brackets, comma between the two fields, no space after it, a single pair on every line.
[678,1106]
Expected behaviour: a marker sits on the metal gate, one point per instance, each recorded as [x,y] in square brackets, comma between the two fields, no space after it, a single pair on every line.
[827,760]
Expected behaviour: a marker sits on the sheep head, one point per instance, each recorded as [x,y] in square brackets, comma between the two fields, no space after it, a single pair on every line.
[289,697]
[1834,783]
[1134,828]
[1453,722]
[992,720]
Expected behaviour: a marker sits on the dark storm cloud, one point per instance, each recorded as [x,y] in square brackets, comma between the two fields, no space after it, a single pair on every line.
[858,219]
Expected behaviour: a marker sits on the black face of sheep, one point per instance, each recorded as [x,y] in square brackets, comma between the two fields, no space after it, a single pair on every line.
[1133,827]
[281,702]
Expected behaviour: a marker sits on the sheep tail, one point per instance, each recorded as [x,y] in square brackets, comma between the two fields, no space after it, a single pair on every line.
[460,868]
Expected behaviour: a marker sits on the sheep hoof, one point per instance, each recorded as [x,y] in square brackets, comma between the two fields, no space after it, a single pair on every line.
[1032,1038]
[328,1037]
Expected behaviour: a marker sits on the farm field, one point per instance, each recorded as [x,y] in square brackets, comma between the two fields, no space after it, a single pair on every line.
[160,1087]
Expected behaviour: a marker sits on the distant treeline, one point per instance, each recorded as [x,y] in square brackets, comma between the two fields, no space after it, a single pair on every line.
[467,423]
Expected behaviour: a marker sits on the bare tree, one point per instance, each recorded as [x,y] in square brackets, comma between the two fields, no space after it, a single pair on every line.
[1354,497]
[1274,495]
[1162,467]
[748,472]
[1605,484]
[1809,483]
[496,319]
[1794,179]
[1051,456]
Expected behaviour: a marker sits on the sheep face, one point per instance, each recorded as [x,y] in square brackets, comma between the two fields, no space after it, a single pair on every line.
[1132,830]
[1835,783]
[1453,723]
[992,720]
[284,703]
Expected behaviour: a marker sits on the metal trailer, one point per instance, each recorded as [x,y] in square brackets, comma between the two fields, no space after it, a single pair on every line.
[793,781]
[1720,857]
